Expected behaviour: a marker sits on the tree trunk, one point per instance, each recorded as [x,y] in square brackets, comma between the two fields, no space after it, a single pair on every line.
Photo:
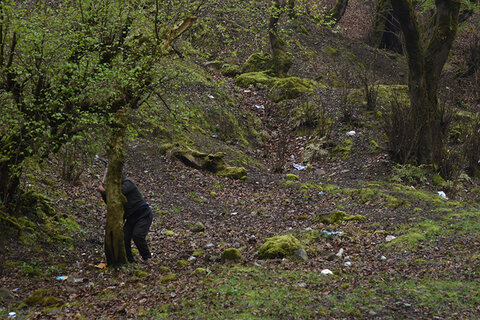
[337,12]
[426,57]
[386,30]
[114,241]
[281,61]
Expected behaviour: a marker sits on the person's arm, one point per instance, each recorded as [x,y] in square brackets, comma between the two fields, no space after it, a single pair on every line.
[101,189]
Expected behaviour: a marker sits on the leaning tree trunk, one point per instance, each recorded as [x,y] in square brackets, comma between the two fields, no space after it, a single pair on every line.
[114,241]
[337,12]
[427,51]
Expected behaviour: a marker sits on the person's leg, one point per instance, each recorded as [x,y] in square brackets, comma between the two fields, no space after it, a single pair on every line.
[140,232]
[127,236]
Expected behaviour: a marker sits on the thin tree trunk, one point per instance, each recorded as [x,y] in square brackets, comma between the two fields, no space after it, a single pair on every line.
[114,241]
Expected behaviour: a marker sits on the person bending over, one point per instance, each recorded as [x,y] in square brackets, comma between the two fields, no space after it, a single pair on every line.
[137,217]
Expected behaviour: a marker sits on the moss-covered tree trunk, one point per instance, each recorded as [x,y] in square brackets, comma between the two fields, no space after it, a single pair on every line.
[114,241]
[427,51]
[386,30]
[280,60]
[337,12]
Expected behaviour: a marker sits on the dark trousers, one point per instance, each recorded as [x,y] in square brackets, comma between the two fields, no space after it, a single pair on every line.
[137,229]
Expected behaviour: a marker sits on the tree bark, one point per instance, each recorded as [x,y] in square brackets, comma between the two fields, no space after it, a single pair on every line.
[386,30]
[281,61]
[426,57]
[114,240]
[337,12]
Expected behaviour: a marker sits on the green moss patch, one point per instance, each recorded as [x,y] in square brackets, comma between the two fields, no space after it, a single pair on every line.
[231,255]
[279,247]
[339,216]
[292,177]
[291,88]
[258,61]
[260,80]
[43,298]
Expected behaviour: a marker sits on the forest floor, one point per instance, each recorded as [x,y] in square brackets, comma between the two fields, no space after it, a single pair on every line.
[430,271]
[415,255]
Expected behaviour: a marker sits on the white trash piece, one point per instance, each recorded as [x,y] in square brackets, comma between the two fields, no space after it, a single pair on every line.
[340,253]
[351,133]
[12,315]
[326,272]
[442,194]
[389,238]
[299,166]
[347,264]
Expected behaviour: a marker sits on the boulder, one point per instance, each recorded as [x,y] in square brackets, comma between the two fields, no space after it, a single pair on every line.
[231,255]
[291,88]
[280,247]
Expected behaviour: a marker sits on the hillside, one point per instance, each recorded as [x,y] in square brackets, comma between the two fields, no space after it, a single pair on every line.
[318,168]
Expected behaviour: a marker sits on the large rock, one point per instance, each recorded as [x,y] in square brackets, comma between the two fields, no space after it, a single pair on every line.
[210,162]
[291,88]
[231,255]
[260,80]
[280,247]
[258,61]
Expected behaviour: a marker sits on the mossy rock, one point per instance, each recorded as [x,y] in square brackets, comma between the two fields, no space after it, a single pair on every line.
[259,61]
[239,173]
[292,177]
[291,88]
[260,80]
[339,216]
[209,162]
[197,227]
[199,160]
[279,247]
[231,255]
[231,70]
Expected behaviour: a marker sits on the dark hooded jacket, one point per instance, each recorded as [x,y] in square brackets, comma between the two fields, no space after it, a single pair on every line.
[135,205]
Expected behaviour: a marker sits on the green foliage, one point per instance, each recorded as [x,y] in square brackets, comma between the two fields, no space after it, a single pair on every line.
[409,174]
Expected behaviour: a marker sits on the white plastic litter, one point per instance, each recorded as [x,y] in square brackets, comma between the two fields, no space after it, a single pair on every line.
[299,166]
[326,272]
[442,194]
[62,278]
[389,238]
[340,253]
[383,258]
[12,315]
[259,107]
[351,133]
[347,264]
[211,97]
